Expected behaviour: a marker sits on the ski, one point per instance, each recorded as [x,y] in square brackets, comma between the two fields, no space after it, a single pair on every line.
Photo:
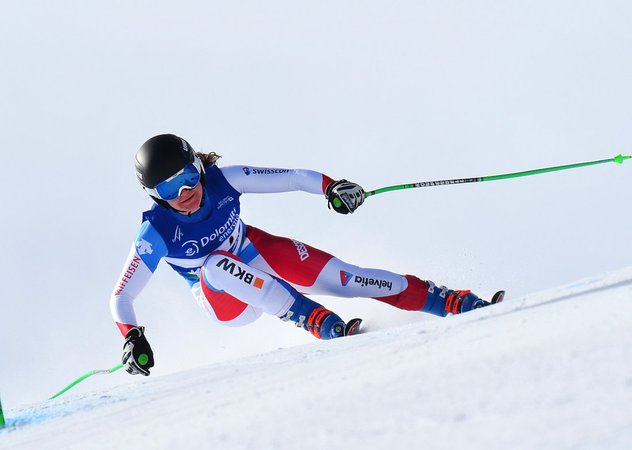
[498,297]
[352,327]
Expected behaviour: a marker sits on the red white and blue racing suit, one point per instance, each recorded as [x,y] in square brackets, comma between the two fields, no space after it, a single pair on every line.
[237,272]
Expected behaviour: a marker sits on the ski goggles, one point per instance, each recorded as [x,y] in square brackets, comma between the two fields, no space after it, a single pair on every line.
[172,187]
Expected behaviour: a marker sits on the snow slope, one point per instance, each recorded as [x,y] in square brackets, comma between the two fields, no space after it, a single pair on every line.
[551,370]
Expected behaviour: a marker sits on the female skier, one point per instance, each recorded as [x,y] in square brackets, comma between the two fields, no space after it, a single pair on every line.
[236,271]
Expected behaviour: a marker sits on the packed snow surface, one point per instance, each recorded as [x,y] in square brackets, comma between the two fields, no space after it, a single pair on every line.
[551,370]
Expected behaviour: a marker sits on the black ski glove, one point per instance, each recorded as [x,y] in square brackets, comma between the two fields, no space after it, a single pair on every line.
[344,196]
[137,355]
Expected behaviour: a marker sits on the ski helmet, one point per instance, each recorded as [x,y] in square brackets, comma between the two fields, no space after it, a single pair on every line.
[161,157]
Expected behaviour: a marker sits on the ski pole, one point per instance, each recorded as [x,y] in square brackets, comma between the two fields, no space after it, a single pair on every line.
[87,375]
[617,159]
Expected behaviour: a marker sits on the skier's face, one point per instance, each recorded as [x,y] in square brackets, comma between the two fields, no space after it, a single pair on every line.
[189,200]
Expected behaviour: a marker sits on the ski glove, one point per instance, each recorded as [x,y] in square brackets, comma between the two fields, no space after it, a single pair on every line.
[137,354]
[344,196]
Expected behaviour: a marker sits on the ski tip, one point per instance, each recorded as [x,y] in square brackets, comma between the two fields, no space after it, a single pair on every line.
[498,297]
[353,327]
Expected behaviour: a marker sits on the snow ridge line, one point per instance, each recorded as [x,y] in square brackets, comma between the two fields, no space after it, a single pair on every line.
[611,280]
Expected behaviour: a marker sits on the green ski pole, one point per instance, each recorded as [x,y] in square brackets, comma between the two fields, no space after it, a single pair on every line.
[87,375]
[617,159]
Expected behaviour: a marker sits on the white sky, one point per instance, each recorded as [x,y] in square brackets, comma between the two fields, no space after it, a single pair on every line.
[378,92]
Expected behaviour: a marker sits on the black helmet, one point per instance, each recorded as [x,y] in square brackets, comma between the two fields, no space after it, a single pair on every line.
[162,157]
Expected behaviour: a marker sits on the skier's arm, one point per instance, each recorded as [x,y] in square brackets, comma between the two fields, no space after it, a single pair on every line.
[246,179]
[141,262]
[342,196]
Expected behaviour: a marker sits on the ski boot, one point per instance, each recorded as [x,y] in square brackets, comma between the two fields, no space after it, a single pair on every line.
[460,301]
[443,301]
[318,320]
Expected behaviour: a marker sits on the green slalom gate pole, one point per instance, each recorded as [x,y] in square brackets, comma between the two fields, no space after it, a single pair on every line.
[617,159]
[87,375]
[1,415]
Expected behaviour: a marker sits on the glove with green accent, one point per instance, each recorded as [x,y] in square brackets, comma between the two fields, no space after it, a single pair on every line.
[344,196]
[137,355]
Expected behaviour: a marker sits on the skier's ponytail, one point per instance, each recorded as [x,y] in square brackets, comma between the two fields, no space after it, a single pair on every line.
[208,159]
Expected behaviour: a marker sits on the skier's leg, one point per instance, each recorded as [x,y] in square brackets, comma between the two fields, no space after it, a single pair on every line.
[225,309]
[314,271]
[406,292]
[231,287]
